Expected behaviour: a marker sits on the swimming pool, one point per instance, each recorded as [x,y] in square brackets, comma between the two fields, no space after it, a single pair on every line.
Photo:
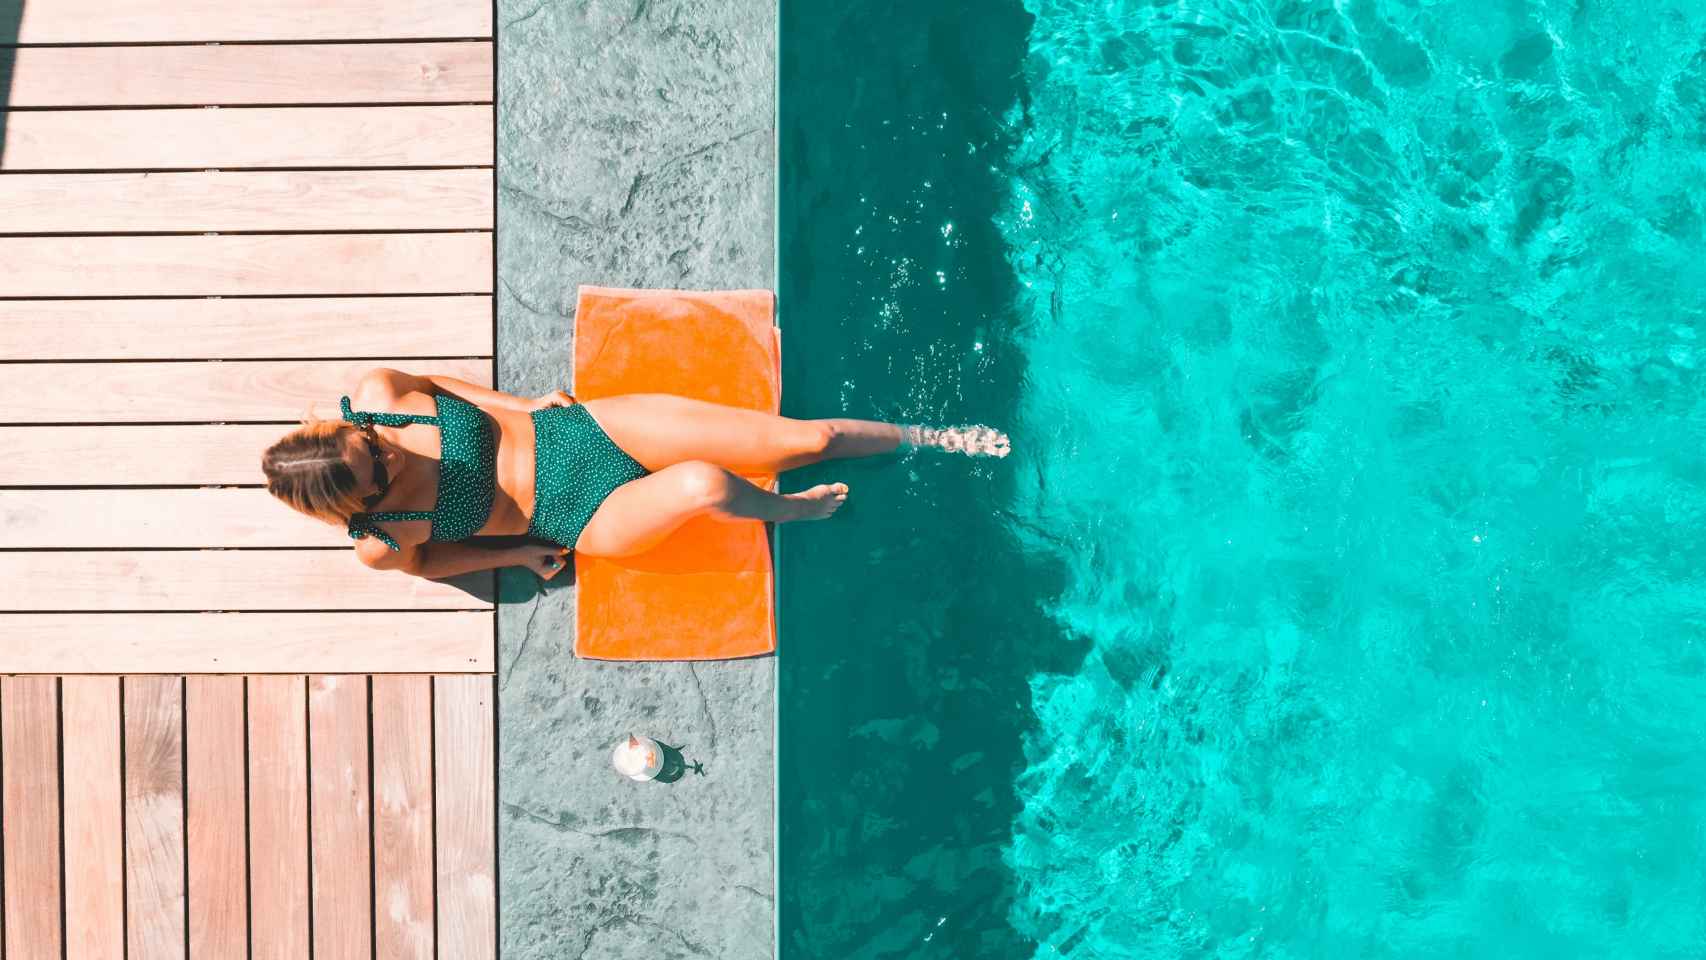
[1343,594]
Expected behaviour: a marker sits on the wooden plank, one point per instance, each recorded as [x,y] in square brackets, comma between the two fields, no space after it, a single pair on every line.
[196,138]
[134,454]
[148,21]
[216,797]
[213,328]
[246,200]
[467,904]
[29,737]
[402,817]
[235,392]
[458,72]
[449,641]
[265,264]
[338,809]
[212,517]
[278,817]
[94,810]
[223,580]
[154,817]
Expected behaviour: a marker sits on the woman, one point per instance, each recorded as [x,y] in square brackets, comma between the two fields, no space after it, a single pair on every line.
[419,463]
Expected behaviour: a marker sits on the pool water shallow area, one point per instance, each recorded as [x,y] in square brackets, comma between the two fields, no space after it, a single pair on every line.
[1344,594]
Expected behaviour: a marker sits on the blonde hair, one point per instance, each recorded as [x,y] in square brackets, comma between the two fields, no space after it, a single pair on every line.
[307,471]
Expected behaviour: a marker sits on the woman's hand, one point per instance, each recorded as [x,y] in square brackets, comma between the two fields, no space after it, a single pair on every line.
[545,561]
[556,398]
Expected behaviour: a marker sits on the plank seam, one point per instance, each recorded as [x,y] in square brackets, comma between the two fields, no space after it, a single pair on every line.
[328,232]
[372,839]
[497,897]
[297,359]
[432,791]
[257,296]
[308,786]
[273,42]
[248,849]
[184,796]
[74,611]
[3,918]
[319,105]
[260,296]
[245,168]
[123,824]
[59,751]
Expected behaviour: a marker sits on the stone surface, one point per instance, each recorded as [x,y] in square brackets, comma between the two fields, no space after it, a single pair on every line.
[636,148]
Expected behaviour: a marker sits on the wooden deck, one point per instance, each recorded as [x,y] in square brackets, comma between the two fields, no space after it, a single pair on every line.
[219,732]
[350,815]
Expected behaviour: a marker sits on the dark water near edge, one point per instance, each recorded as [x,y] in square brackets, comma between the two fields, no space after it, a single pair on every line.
[1344,594]
[910,622]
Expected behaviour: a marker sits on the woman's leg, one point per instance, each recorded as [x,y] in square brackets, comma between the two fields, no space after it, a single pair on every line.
[639,514]
[660,429]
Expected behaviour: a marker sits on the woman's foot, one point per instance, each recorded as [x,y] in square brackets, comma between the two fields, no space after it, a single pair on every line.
[973,441]
[818,502]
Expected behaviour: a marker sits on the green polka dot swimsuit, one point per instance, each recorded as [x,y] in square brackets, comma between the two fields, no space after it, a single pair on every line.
[576,465]
[467,470]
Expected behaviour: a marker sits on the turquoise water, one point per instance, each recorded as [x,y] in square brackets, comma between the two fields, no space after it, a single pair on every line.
[1344,595]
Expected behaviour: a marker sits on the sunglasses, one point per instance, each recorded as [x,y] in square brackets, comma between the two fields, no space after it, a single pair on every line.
[380,478]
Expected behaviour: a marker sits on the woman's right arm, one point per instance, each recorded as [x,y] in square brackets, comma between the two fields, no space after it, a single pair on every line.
[437,561]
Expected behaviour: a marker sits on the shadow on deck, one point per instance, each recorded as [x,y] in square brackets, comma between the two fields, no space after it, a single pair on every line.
[11,14]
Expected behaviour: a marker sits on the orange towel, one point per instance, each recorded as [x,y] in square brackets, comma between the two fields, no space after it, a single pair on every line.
[708,592]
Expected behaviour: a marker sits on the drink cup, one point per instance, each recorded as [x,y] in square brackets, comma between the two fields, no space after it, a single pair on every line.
[637,758]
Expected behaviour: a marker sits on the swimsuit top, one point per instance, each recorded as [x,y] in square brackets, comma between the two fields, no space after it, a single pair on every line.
[467,470]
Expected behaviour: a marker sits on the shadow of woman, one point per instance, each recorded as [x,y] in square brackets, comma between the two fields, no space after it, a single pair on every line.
[11,17]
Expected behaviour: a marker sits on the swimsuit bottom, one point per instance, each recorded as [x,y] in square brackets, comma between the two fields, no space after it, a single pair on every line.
[576,465]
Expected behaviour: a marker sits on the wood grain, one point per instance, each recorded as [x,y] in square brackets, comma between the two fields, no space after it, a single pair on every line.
[140,519]
[402,817]
[154,817]
[246,200]
[266,265]
[198,138]
[448,641]
[29,814]
[94,809]
[139,21]
[339,839]
[134,454]
[278,816]
[210,517]
[273,390]
[217,800]
[467,904]
[223,580]
[205,328]
[459,72]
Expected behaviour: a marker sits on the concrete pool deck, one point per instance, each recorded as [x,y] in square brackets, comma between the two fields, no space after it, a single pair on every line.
[636,148]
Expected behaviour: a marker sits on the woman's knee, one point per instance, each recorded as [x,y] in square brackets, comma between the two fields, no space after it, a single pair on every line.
[817,437]
[702,483]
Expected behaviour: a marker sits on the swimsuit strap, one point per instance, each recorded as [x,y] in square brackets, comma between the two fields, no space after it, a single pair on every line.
[362,417]
[364,524]
[360,525]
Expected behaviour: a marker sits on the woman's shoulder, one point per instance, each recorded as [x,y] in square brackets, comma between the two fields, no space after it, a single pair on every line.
[382,382]
[377,554]
[386,389]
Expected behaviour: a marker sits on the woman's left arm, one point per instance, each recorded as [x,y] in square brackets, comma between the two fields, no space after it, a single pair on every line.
[401,382]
